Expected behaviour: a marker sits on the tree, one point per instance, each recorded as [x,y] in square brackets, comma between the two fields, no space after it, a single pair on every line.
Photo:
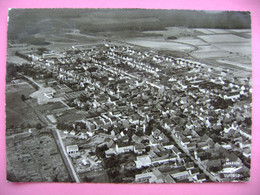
[87,179]
[28,125]
[23,98]
[39,126]
[22,126]
[100,151]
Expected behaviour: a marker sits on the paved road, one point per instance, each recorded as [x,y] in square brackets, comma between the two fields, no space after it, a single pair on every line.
[30,79]
[67,157]
[61,101]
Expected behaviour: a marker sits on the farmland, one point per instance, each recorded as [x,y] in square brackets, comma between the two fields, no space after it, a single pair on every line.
[158,44]
[227,48]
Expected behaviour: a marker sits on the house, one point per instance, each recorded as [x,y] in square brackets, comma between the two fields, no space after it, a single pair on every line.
[139,148]
[247,153]
[72,150]
[110,143]
[176,151]
[191,146]
[185,141]
[85,162]
[168,145]
[136,139]
[143,161]
[201,177]
[153,141]
[124,147]
[110,152]
[180,175]
[194,171]
[163,159]
[145,178]
[190,165]
[227,146]
[124,139]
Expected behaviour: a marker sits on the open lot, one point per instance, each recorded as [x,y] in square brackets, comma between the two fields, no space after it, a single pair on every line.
[48,108]
[71,116]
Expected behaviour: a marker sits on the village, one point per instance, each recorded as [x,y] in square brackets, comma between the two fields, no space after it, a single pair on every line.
[133,115]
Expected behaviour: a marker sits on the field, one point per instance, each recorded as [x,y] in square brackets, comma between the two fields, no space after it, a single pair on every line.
[48,108]
[71,116]
[210,54]
[191,41]
[175,31]
[18,112]
[242,48]
[158,44]
[222,38]
[34,157]
[15,59]
[227,48]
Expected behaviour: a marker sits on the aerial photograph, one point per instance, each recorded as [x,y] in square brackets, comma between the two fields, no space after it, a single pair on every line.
[128,96]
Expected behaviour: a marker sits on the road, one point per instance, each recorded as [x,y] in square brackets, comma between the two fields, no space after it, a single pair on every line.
[75,175]
[61,101]
[31,80]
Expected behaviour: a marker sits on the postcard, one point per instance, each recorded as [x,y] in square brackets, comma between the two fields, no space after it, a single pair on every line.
[128,96]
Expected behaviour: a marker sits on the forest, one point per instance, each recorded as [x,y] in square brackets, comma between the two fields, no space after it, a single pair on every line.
[24,23]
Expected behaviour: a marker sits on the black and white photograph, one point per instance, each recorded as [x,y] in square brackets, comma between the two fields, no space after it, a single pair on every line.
[128,96]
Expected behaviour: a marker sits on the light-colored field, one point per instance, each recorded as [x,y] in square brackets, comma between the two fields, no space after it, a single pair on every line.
[162,44]
[241,30]
[245,60]
[191,40]
[235,64]
[209,45]
[243,48]
[210,54]
[207,48]
[223,38]
[219,31]
[41,95]
[204,31]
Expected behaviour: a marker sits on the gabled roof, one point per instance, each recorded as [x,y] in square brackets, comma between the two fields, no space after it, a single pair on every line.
[195,170]
[201,176]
